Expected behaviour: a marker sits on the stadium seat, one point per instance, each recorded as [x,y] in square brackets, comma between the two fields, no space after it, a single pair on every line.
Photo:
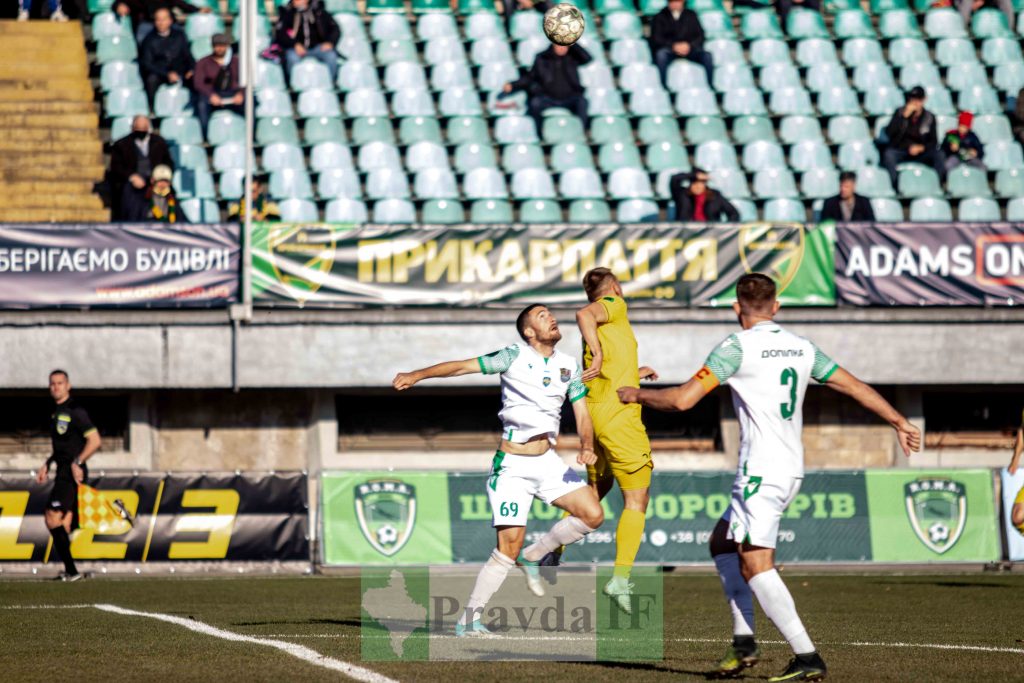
[490,211]
[404,76]
[697,102]
[629,183]
[201,210]
[923,74]
[805,23]
[456,75]
[825,75]
[345,211]
[430,6]
[488,50]
[595,75]
[887,210]
[520,156]
[471,155]
[775,183]
[580,183]
[183,130]
[485,183]
[838,101]
[883,100]
[1015,209]
[412,103]
[390,27]
[462,129]
[852,23]
[650,102]
[280,155]
[372,129]
[930,209]
[125,102]
[459,102]
[794,129]
[528,49]
[570,155]
[966,181]
[226,126]
[654,129]
[357,76]
[389,51]
[365,102]
[106,25]
[334,183]
[939,102]
[898,23]
[484,25]
[532,183]
[791,101]
[978,209]
[298,211]
[716,24]
[514,130]
[231,184]
[120,127]
[872,75]
[665,155]
[809,155]
[746,209]
[309,74]
[274,129]
[413,129]
[814,51]
[767,51]
[377,154]
[820,183]
[194,184]
[540,211]
[116,49]
[435,183]
[637,211]
[1010,183]
[949,51]
[355,48]
[746,129]
[619,26]
[394,212]
[996,51]
[436,25]
[944,23]
[444,50]
[290,183]
[785,210]
[317,103]
[426,154]
[271,103]
[1009,77]
[780,75]
[607,102]
[980,99]
[682,75]
[701,129]
[864,51]
[190,156]
[589,211]
[230,155]
[760,24]
[563,129]
[443,211]
[725,52]
[904,51]
[120,75]
[733,75]
[873,181]
[623,52]
[1003,154]
[856,154]
[713,155]
[605,129]
[963,76]
[916,180]
[760,155]
[731,182]
[616,155]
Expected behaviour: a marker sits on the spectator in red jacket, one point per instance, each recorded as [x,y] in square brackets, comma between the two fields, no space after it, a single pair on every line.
[216,82]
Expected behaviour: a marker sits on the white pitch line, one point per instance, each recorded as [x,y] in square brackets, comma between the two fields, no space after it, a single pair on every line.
[43,606]
[298,651]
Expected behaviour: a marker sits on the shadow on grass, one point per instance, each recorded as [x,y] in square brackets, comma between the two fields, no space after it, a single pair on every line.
[301,622]
[945,584]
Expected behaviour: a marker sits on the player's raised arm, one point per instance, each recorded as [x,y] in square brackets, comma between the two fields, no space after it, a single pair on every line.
[587,319]
[1018,448]
[584,425]
[682,397]
[452,368]
[845,383]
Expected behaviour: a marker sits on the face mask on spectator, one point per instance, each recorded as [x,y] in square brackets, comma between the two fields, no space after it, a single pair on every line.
[140,134]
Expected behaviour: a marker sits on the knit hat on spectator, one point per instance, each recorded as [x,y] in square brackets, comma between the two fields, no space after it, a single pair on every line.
[162,172]
[965,119]
[220,39]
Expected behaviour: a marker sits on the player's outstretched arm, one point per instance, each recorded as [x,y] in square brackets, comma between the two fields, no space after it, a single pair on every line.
[452,368]
[587,319]
[1018,448]
[845,383]
[673,399]
[585,428]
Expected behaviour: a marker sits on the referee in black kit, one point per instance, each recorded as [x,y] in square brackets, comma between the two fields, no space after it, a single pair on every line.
[74,439]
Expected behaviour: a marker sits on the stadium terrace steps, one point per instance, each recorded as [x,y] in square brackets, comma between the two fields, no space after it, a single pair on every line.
[51,154]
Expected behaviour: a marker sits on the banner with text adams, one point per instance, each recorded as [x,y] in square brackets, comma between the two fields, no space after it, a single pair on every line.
[914,264]
[320,265]
[128,266]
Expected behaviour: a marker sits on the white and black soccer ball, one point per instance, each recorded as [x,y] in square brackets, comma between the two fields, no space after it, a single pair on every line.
[564,24]
[387,534]
[938,532]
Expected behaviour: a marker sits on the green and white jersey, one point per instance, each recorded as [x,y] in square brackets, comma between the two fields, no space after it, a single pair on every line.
[533,389]
[768,369]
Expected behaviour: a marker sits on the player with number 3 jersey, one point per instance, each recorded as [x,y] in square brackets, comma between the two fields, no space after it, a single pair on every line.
[535,382]
[768,370]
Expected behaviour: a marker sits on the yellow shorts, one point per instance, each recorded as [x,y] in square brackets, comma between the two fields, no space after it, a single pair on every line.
[621,444]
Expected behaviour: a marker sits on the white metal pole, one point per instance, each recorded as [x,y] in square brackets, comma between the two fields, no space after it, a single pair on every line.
[248,76]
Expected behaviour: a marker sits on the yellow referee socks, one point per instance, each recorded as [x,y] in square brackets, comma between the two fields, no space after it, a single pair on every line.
[627,540]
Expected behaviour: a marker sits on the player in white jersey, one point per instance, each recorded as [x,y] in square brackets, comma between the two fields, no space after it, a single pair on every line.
[535,381]
[768,369]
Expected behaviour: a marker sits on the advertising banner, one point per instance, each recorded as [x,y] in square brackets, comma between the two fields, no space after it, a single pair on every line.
[919,264]
[932,515]
[1013,497]
[131,266]
[255,517]
[321,265]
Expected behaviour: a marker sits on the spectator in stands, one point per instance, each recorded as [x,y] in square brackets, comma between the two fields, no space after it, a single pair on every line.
[783,7]
[156,202]
[969,7]
[216,82]
[165,56]
[962,145]
[56,11]
[912,137]
[697,203]
[1017,115]
[141,13]
[676,33]
[304,29]
[847,206]
[554,81]
[132,160]
[263,208]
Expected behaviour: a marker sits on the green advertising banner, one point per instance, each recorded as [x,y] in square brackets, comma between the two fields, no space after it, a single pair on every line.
[323,265]
[933,515]
[385,518]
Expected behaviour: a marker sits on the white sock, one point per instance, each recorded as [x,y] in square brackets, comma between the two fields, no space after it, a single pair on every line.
[565,532]
[737,592]
[778,604]
[488,581]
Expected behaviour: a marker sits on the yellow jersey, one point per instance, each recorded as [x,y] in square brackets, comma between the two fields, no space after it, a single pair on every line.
[619,367]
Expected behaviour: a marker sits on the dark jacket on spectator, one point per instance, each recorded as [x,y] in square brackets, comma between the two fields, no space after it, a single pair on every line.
[1017,117]
[917,130]
[666,30]
[862,210]
[124,157]
[969,141]
[160,54]
[717,208]
[138,208]
[322,28]
[142,10]
[208,78]
[554,76]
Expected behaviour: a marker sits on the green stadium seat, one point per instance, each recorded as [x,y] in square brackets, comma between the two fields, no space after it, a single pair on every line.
[714,154]
[275,129]
[699,102]
[345,210]
[731,182]
[443,212]
[852,23]
[980,99]
[604,129]
[651,7]
[725,51]
[387,183]
[650,102]
[967,181]
[761,155]
[767,51]
[944,23]
[794,129]
[1009,77]
[515,129]
[785,210]
[924,74]
[996,51]
[270,76]
[467,7]
[428,6]
[733,75]
[716,24]
[779,75]
[746,129]
[183,130]
[992,128]
[989,22]
[120,75]
[608,6]
[667,155]
[523,155]
[653,129]
[805,23]
[390,51]
[310,74]
[340,6]
[201,210]
[637,77]
[949,51]
[485,183]
[394,211]
[231,184]
[809,155]
[978,209]
[491,212]
[415,129]
[838,101]
[826,75]
[200,47]
[540,211]
[746,209]
[904,51]
[637,211]
[816,50]
[1003,154]
[898,23]
[930,209]
[819,183]
[116,49]
[425,154]
[108,25]
[435,183]
[97,6]
[887,210]
[940,102]
[323,129]
[376,154]
[775,183]
[617,25]
[856,154]
[194,184]
[190,156]
[580,183]
[701,129]
[589,211]
[298,211]
[452,75]
[372,129]
[858,51]
[560,129]
[203,26]
[761,24]
[886,6]
[290,183]
[328,155]
[271,103]
[847,128]
[791,101]
[462,129]
[613,155]
[471,155]
[226,126]
[316,103]
[120,127]
[384,6]
[125,102]
[571,155]
[743,102]
[1015,209]
[484,25]
[532,183]
[608,102]
[916,180]
[630,51]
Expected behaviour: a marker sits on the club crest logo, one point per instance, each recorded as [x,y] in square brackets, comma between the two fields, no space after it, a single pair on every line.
[564,374]
[63,421]
[937,509]
[386,510]
[546,381]
[773,250]
[301,257]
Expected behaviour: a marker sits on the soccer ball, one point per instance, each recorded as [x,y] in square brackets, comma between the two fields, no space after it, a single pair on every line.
[564,24]
[938,532]
[387,534]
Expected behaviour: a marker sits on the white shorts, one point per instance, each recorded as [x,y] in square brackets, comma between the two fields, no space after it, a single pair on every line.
[756,509]
[515,480]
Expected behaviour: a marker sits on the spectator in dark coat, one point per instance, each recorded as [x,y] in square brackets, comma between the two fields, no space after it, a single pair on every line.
[132,160]
[304,30]
[962,146]
[216,83]
[697,203]
[676,33]
[165,56]
[156,202]
[847,206]
[141,13]
[783,7]
[912,137]
[554,81]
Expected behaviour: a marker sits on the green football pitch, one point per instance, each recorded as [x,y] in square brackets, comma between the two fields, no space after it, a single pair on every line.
[870,627]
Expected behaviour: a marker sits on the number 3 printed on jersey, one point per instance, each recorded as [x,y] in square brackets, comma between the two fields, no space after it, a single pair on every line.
[789,377]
